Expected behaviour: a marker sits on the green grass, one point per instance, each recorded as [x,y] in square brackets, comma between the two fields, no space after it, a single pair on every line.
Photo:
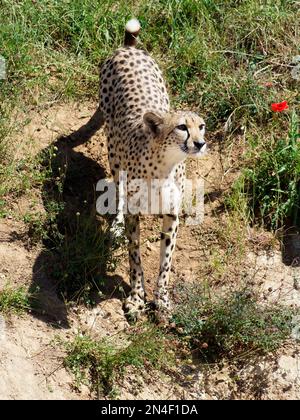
[14,300]
[56,46]
[268,190]
[101,363]
[232,326]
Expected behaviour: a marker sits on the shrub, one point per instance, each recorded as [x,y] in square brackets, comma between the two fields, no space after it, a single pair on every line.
[230,326]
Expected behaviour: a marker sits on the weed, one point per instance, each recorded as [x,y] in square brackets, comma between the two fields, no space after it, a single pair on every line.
[231,326]
[101,362]
[14,300]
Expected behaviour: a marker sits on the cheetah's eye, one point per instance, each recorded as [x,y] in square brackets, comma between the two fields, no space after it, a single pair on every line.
[201,126]
[182,127]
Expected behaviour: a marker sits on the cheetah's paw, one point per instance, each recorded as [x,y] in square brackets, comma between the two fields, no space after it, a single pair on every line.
[134,307]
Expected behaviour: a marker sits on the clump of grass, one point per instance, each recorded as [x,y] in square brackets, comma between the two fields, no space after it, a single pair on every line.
[231,326]
[268,190]
[100,363]
[14,300]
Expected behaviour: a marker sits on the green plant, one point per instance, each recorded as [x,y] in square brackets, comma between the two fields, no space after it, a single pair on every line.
[269,186]
[14,300]
[231,326]
[100,363]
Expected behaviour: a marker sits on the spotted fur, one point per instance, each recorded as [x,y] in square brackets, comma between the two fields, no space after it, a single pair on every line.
[148,141]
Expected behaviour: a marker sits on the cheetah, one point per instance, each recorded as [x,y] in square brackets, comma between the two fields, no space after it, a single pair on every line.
[146,141]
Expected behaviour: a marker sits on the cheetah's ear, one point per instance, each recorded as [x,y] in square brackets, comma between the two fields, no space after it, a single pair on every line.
[154,122]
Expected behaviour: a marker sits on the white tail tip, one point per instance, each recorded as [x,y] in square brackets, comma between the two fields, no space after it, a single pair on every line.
[132,26]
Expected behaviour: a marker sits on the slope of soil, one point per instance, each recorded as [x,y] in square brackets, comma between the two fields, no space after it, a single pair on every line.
[31,360]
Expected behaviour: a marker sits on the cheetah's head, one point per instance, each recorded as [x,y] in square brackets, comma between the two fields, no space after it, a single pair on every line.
[180,133]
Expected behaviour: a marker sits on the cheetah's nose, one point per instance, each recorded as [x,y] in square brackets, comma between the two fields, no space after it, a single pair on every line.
[199,144]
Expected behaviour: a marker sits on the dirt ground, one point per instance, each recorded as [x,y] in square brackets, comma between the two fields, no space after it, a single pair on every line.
[30,360]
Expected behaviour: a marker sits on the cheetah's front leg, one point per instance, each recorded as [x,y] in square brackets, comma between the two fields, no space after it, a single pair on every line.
[135,303]
[168,240]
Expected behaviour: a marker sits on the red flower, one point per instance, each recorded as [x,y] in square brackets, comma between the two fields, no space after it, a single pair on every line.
[280,106]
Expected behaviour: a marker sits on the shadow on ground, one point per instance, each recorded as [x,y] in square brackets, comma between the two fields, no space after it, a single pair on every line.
[291,247]
[77,248]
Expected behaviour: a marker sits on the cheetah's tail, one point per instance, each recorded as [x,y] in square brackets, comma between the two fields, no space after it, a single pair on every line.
[132,30]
